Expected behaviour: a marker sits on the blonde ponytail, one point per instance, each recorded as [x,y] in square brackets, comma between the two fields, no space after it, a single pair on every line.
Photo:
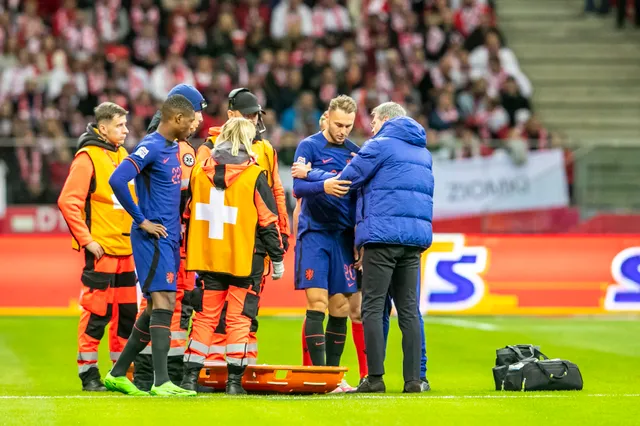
[238,131]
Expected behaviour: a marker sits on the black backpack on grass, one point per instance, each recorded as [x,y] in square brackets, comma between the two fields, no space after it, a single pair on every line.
[525,368]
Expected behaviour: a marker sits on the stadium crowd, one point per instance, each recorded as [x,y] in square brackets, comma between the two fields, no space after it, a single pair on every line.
[446,61]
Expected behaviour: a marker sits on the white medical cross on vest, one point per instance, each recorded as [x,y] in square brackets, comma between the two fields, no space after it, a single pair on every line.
[216,213]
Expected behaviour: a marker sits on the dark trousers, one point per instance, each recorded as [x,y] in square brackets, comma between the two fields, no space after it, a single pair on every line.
[622,12]
[389,269]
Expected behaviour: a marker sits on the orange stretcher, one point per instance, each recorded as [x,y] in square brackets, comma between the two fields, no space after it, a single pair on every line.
[269,379]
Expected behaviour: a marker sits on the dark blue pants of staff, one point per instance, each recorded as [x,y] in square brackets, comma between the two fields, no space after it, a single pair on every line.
[385,327]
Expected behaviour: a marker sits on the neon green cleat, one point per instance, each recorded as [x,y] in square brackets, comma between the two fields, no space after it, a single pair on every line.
[169,389]
[122,384]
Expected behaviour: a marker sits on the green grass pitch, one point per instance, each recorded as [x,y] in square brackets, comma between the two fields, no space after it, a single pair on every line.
[39,386]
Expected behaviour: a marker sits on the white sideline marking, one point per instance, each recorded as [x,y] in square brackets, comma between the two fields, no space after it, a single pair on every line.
[462,323]
[319,397]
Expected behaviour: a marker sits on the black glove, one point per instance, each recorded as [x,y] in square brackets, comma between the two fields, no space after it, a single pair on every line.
[285,242]
[195,298]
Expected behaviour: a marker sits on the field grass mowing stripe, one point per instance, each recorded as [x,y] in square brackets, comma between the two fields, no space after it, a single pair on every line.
[462,323]
[320,397]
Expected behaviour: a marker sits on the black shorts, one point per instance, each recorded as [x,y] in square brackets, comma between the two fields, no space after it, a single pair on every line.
[359,279]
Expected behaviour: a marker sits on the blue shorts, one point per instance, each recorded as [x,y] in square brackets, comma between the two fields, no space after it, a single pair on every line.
[325,260]
[157,262]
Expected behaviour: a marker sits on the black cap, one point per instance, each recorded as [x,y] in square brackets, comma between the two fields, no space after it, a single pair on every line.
[246,103]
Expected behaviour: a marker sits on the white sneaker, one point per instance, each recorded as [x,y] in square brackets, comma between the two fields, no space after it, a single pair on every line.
[343,387]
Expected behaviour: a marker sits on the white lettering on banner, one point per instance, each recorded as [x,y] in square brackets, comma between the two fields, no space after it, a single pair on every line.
[216,213]
[451,278]
[625,269]
[48,219]
[496,184]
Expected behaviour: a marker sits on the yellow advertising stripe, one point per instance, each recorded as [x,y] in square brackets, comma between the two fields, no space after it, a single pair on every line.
[537,285]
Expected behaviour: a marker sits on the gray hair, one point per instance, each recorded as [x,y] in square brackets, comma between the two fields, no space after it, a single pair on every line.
[389,110]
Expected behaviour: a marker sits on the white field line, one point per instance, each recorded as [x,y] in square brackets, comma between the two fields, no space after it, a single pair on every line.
[322,397]
[462,323]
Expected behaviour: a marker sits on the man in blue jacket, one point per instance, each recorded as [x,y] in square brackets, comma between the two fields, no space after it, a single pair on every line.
[392,174]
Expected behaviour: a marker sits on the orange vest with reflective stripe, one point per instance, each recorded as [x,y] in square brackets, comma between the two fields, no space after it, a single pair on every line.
[108,222]
[222,224]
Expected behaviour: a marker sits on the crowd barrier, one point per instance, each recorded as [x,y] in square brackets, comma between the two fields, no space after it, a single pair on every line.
[461,275]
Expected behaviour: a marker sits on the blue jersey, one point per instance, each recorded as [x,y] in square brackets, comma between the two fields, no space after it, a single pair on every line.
[158,182]
[319,211]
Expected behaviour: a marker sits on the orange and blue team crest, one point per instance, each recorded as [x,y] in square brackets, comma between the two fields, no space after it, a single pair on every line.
[308,274]
[170,277]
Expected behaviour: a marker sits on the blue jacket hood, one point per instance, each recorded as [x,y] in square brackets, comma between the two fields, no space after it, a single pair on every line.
[405,129]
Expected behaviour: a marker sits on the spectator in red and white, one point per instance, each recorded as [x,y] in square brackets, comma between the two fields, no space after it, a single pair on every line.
[410,37]
[535,134]
[436,78]
[15,77]
[64,17]
[251,12]
[58,76]
[468,16]
[144,12]
[289,18]
[367,97]
[6,118]
[97,77]
[146,47]
[417,65]
[111,21]
[144,107]
[203,73]
[30,27]
[9,56]
[512,100]
[264,64]
[496,123]
[479,58]
[347,52]
[129,78]
[495,76]
[478,36]
[30,104]
[80,35]
[169,73]
[328,87]
[27,158]
[445,116]
[179,20]
[330,17]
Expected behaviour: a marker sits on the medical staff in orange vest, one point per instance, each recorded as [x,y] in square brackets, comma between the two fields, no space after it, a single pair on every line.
[243,103]
[232,229]
[101,227]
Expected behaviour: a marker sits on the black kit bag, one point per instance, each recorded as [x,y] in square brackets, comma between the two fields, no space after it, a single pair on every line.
[543,375]
[511,355]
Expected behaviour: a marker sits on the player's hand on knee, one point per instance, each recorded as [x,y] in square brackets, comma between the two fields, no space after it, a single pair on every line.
[335,187]
[300,170]
[154,229]
[278,270]
[95,249]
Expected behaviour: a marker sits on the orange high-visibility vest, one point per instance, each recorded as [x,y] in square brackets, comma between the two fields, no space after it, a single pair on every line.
[108,221]
[222,224]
